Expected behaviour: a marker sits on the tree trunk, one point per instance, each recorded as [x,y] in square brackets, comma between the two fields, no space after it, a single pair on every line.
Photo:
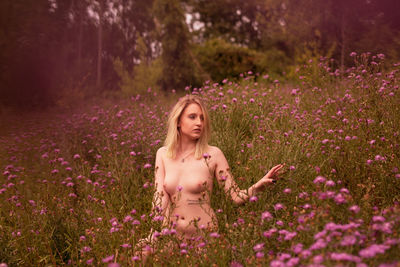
[99,43]
[80,33]
[343,37]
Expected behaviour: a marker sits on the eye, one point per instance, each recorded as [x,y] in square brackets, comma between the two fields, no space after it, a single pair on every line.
[192,116]
[202,118]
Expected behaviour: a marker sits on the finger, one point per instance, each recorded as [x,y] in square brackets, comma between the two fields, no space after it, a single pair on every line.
[276,168]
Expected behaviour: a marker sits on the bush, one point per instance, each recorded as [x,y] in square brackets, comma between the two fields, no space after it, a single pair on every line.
[224,60]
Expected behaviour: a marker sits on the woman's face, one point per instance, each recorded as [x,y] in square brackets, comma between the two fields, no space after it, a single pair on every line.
[191,122]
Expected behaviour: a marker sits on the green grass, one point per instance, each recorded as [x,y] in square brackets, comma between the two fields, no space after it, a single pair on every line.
[69,180]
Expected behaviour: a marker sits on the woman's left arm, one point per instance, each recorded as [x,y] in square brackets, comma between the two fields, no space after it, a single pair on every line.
[225,179]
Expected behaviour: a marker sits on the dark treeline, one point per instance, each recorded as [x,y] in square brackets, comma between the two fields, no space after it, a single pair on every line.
[50,49]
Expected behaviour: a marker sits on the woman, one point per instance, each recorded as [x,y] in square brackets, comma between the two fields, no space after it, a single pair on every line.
[185,168]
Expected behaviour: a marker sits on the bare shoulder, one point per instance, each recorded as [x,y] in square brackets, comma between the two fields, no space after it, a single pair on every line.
[215,152]
[161,152]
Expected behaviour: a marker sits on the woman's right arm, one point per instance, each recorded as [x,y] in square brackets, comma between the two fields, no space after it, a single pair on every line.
[161,198]
[160,203]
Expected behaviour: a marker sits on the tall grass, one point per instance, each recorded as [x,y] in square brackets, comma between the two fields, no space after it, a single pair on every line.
[77,188]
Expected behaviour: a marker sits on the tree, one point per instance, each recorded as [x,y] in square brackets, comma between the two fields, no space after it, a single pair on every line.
[178,70]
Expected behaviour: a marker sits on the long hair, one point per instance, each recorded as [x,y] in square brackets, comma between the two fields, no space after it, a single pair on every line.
[173,134]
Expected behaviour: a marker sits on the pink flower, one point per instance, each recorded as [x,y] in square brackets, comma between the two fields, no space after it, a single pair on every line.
[339,199]
[330,183]
[344,257]
[108,258]
[259,255]
[319,180]
[258,247]
[266,216]
[253,199]
[287,190]
[372,250]
[354,209]
[147,165]
[214,234]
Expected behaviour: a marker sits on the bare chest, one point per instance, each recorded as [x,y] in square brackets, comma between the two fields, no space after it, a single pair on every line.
[189,177]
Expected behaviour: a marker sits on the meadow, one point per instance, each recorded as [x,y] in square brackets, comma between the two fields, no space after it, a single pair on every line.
[76,187]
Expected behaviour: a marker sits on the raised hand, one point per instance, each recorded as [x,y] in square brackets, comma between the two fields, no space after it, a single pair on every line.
[271,177]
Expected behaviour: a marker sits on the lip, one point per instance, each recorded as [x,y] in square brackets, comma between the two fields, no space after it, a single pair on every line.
[197,130]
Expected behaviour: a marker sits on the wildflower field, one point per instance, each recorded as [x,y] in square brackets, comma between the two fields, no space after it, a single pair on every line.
[76,188]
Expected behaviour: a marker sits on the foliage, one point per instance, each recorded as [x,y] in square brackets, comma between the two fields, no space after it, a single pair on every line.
[178,69]
[144,76]
[224,60]
[77,187]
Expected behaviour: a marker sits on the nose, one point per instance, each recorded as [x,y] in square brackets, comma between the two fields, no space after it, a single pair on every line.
[199,122]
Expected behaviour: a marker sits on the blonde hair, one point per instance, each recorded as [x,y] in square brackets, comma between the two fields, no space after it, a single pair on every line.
[173,135]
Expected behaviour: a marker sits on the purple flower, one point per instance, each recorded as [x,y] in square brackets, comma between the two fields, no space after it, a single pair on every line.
[85,249]
[318,259]
[108,258]
[330,183]
[258,247]
[293,262]
[147,165]
[372,250]
[319,180]
[339,199]
[206,156]
[277,263]
[259,254]
[287,190]
[297,248]
[344,257]
[319,244]
[270,232]
[235,264]
[278,206]
[253,199]
[266,216]
[348,240]
[378,219]
[305,254]
[354,209]
[215,235]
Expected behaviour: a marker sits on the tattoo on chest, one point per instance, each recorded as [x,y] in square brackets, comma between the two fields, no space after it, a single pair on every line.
[196,201]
